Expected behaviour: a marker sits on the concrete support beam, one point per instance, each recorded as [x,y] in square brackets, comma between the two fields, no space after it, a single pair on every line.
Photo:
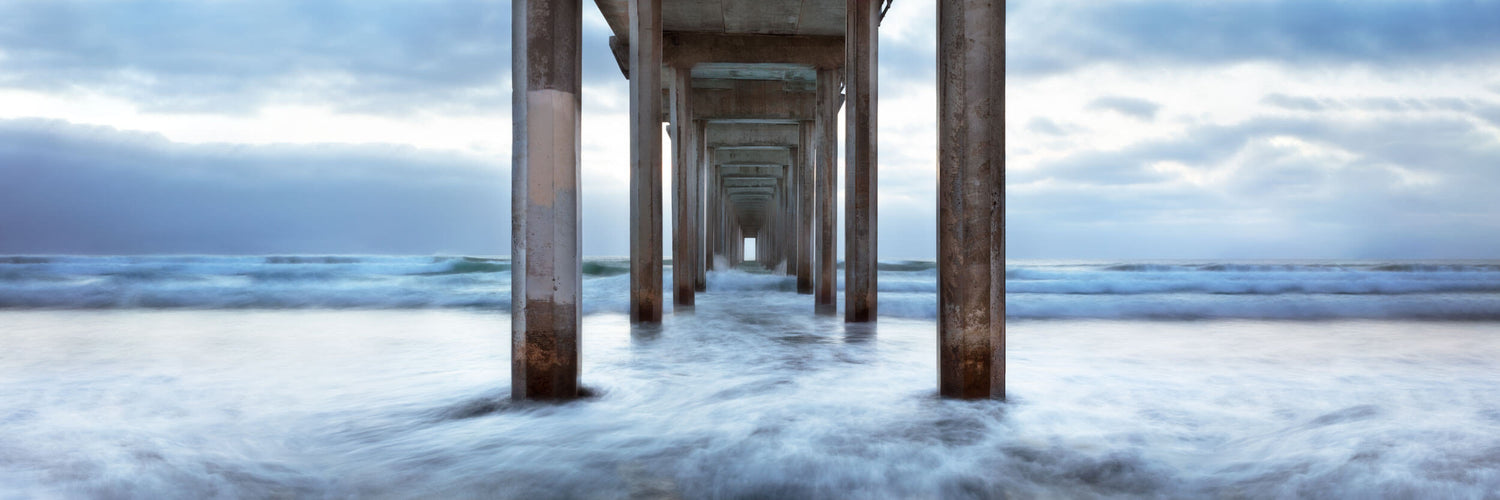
[971,198]
[788,230]
[860,164]
[700,191]
[826,137]
[684,179]
[711,223]
[546,273]
[736,245]
[804,162]
[715,228]
[739,156]
[645,162]
[692,48]
[752,100]
[751,134]
[726,229]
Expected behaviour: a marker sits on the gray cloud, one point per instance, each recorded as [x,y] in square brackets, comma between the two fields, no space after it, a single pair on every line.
[1380,104]
[1129,106]
[73,189]
[232,55]
[1409,190]
[1052,37]
[1042,125]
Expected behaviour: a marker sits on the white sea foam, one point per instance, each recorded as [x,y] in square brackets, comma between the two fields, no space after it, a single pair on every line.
[749,397]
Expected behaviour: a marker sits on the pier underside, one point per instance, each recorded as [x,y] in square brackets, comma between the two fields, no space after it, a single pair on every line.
[751,91]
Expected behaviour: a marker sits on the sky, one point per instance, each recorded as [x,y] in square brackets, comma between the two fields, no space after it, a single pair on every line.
[1155,129]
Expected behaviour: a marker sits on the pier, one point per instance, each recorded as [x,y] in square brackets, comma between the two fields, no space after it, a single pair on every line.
[751,91]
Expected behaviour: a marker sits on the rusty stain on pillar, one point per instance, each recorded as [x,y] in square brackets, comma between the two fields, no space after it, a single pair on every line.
[645,161]
[545,275]
[971,198]
[684,236]
[826,136]
[860,164]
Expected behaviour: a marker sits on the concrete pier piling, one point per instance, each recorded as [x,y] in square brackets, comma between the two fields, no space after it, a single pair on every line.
[804,251]
[971,198]
[546,273]
[825,147]
[861,40]
[645,161]
[701,254]
[684,178]
[753,101]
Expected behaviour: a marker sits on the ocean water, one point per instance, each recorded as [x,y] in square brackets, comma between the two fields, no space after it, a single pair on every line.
[1448,290]
[388,377]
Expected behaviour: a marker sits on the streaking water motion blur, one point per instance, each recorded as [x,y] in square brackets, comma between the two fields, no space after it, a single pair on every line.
[198,377]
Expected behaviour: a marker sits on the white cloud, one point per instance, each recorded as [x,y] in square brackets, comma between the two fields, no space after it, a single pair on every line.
[1155,128]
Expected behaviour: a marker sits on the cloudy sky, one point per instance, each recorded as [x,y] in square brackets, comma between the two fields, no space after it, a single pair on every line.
[1135,129]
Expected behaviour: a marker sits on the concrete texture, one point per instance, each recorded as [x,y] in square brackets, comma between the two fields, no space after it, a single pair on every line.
[781,17]
[860,164]
[700,190]
[645,162]
[805,162]
[826,136]
[684,180]
[971,198]
[546,276]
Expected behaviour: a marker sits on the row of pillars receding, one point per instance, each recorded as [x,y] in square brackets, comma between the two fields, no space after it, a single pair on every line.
[726,192]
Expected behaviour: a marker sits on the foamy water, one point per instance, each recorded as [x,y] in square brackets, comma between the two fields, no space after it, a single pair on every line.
[750,396]
[734,404]
[1036,290]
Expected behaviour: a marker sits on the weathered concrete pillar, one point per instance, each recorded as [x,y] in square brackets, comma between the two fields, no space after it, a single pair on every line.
[711,231]
[716,219]
[793,226]
[826,137]
[684,178]
[805,161]
[860,56]
[545,267]
[971,198]
[736,244]
[700,182]
[716,223]
[762,241]
[645,161]
[792,204]
[778,222]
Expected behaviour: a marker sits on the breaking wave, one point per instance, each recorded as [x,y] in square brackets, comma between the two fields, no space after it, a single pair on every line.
[1035,290]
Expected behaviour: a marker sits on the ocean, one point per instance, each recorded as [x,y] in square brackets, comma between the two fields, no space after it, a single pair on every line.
[388,377]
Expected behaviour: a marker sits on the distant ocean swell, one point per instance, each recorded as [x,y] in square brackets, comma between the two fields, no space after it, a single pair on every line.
[1036,290]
